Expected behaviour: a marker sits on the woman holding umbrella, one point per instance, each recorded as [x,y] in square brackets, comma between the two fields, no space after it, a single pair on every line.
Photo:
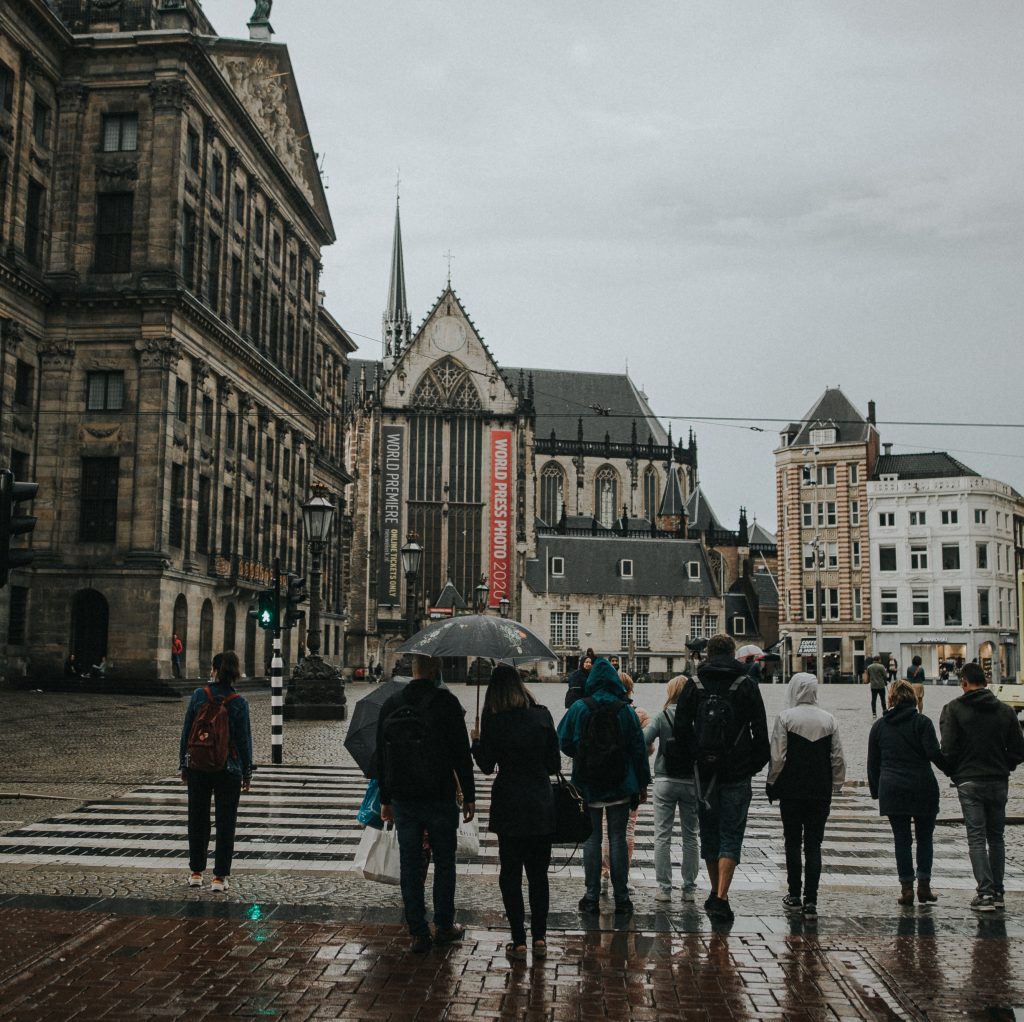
[517,736]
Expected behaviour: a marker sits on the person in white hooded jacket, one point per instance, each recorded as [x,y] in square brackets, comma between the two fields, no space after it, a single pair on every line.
[806,767]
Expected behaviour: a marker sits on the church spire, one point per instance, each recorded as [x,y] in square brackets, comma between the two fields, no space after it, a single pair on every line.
[397,321]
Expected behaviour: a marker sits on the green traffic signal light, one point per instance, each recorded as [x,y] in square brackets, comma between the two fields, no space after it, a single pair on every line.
[12,523]
[266,615]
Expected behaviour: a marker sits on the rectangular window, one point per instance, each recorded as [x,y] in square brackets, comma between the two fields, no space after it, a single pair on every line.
[919,607]
[626,568]
[855,553]
[980,516]
[213,270]
[181,400]
[858,606]
[207,419]
[98,518]
[853,474]
[255,309]
[120,133]
[739,626]
[826,475]
[626,630]
[236,292]
[886,519]
[827,512]
[226,515]
[643,639]
[572,628]
[203,517]
[275,246]
[192,149]
[239,205]
[247,527]
[888,607]
[558,566]
[832,559]
[35,204]
[24,384]
[275,327]
[918,558]
[284,540]
[217,177]
[823,436]
[557,629]
[270,456]
[950,556]
[952,609]
[983,614]
[257,228]
[949,517]
[293,267]
[229,430]
[808,556]
[250,442]
[982,554]
[887,558]
[268,530]
[189,241]
[809,604]
[17,616]
[40,122]
[807,475]
[174,532]
[807,517]
[918,517]
[114,211]
[831,607]
[855,512]
[693,569]
[6,88]
[286,464]
[104,391]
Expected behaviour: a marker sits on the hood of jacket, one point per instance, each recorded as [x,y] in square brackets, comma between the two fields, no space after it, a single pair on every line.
[720,668]
[802,690]
[899,715]
[604,678]
[980,699]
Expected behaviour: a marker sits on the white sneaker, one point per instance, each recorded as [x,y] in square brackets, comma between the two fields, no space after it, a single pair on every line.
[663,895]
[195,880]
[219,884]
[690,893]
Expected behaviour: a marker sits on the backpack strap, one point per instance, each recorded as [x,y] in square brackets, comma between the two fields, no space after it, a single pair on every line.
[736,684]
[209,693]
[697,684]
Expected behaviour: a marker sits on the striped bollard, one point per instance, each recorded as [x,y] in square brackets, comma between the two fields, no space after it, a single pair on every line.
[276,704]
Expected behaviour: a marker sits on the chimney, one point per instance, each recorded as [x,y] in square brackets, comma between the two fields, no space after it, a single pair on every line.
[887,449]
[871,412]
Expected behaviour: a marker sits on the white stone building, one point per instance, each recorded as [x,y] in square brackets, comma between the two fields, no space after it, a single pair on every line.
[942,563]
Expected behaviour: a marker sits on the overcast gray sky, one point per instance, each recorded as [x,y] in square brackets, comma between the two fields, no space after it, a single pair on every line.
[748,201]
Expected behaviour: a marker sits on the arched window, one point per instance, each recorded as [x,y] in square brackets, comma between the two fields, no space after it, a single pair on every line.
[606,495]
[447,384]
[552,493]
[205,638]
[650,493]
[90,617]
[229,626]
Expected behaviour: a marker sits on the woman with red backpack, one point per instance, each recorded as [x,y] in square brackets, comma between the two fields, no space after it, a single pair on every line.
[215,759]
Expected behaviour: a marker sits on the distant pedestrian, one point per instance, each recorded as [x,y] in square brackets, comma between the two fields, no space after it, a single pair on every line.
[983,742]
[217,765]
[916,677]
[806,768]
[576,683]
[674,792]
[301,654]
[901,750]
[517,736]
[877,678]
[610,767]
[894,669]
[176,651]
[422,750]
[378,671]
[721,724]
[71,668]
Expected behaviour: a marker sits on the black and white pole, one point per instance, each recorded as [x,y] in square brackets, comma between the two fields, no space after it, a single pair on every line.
[277,703]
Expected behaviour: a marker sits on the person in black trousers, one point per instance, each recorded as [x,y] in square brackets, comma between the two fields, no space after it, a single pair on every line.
[518,737]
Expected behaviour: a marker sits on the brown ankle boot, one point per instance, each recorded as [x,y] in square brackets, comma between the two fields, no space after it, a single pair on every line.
[907,897]
[925,893]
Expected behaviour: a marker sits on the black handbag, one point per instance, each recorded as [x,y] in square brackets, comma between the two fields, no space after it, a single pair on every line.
[572,817]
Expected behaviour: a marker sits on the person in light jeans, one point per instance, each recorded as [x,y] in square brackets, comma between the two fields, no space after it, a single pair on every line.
[675,791]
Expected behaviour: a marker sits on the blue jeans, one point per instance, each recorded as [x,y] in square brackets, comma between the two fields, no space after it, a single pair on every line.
[672,795]
[440,820]
[618,857]
[984,806]
[724,821]
[924,828]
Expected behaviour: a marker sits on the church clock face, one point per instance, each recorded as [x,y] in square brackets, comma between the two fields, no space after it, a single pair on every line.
[449,335]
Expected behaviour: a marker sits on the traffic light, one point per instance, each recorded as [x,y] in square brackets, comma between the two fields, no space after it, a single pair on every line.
[267,611]
[296,594]
[12,523]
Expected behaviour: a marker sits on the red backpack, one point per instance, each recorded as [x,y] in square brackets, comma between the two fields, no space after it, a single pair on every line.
[209,741]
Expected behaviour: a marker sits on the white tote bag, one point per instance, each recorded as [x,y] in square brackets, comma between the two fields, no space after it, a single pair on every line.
[468,844]
[377,856]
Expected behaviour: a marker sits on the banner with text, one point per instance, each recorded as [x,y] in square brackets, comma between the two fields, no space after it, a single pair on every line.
[501,501]
[389,577]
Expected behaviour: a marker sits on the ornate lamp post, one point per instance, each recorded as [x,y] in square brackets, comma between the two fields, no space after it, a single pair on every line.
[412,555]
[503,606]
[482,591]
[316,691]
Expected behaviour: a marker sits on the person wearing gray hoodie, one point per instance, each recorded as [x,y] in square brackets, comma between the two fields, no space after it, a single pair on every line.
[806,767]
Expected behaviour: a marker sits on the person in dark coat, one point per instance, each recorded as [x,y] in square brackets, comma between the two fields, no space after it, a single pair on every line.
[517,736]
[576,683]
[902,747]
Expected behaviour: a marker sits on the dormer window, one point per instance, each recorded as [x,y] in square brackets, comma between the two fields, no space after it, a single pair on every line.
[626,568]
[822,436]
[693,569]
[739,626]
[558,566]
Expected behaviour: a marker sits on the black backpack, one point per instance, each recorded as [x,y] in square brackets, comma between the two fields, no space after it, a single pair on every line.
[714,722]
[411,753]
[601,754]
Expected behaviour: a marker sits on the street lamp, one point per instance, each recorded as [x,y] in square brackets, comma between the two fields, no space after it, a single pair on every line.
[482,592]
[317,515]
[503,606]
[412,554]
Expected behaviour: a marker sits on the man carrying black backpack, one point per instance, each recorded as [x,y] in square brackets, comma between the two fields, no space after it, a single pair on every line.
[422,746]
[610,767]
[722,728]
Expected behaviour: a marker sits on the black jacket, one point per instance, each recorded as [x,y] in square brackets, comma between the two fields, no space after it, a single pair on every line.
[981,737]
[749,741]
[446,715]
[901,749]
[523,745]
[808,770]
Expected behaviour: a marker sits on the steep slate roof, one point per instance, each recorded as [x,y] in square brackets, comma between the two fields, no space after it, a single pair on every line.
[672,498]
[760,536]
[562,396]
[449,597]
[833,408]
[736,605]
[699,513]
[765,587]
[935,465]
[591,567]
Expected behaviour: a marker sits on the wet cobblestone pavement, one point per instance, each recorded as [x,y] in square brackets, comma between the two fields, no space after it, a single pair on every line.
[121,937]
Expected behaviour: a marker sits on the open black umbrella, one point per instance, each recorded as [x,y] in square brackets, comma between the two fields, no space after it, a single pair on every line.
[479,635]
